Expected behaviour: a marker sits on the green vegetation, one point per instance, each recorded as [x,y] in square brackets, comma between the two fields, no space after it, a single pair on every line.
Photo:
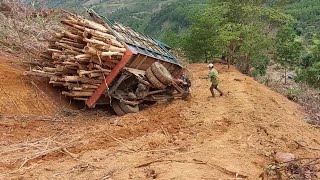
[310,71]
[287,48]
[235,29]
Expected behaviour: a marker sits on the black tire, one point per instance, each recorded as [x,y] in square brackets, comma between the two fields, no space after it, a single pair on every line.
[128,108]
[153,80]
[161,73]
[116,107]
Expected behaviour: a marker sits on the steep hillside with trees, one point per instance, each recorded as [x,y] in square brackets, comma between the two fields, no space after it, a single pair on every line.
[135,13]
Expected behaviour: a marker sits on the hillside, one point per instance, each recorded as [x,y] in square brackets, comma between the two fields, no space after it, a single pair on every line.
[157,17]
[307,14]
[152,17]
[203,138]
[135,13]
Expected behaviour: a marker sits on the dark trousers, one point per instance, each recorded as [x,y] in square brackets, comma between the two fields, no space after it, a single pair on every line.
[215,86]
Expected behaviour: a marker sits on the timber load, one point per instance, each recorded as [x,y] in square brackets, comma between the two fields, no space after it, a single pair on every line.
[80,57]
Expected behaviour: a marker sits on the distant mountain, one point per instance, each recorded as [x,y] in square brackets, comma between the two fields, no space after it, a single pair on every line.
[135,13]
[152,17]
[307,13]
[155,17]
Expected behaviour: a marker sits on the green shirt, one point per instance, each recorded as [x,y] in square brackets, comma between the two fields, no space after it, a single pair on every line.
[214,76]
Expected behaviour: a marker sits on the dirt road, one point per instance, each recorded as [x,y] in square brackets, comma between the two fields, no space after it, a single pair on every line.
[202,138]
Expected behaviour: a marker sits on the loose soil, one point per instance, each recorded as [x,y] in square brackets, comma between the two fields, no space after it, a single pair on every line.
[201,138]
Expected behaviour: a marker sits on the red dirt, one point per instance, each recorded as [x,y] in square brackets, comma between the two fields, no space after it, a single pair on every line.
[19,95]
[234,133]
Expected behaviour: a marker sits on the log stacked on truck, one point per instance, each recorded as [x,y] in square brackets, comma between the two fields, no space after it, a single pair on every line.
[81,56]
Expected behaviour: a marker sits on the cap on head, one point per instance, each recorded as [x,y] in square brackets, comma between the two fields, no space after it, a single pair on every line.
[210,65]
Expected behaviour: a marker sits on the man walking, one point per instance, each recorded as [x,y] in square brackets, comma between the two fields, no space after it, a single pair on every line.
[214,78]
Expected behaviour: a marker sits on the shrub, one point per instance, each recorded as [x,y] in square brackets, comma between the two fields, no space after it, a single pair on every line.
[311,75]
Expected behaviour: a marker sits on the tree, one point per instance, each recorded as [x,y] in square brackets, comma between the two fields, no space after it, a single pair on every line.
[235,28]
[311,75]
[171,38]
[310,71]
[288,48]
[201,41]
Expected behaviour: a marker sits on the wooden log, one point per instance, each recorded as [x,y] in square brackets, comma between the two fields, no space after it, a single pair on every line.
[71,24]
[82,89]
[52,40]
[65,70]
[69,85]
[75,65]
[48,73]
[80,99]
[54,50]
[75,68]
[83,72]
[92,81]
[94,75]
[90,86]
[87,32]
[56,83]
[77,93]
[84,86]
[80,79]
[76,31]
[109,65]
[101,46]
[107,38]
[72,36]
[90,66]
[83,57]
[94,25]
[100,68]
[110,60]
[113,42]
[76,88]
[69,39]
[72,52]
[96,60]
[111,48]
[109,54]
[70,63]
[61,57]
[66,46]
[47,53]
[40,74]
[94,41]
[87,23]
[58,35]
[45,56]
[72,78]
[73,44]
[93,51]
[49,69]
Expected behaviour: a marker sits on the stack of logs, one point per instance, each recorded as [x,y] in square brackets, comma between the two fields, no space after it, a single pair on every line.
[81,57]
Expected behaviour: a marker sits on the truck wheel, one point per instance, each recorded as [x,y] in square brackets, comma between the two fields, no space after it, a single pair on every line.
[116,107]
[161,73]
[128,108]
[153,79]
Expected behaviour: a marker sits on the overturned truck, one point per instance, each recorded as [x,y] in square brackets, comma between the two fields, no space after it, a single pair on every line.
[99,61]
